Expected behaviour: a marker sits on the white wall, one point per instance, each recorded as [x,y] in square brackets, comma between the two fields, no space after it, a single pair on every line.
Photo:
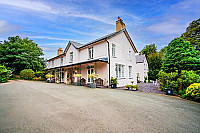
[122,57]
[99,51]
[142,69]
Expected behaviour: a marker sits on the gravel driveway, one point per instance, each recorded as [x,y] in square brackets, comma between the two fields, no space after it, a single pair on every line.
[32,107]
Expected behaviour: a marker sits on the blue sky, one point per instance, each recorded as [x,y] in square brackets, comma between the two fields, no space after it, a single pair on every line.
[52,23]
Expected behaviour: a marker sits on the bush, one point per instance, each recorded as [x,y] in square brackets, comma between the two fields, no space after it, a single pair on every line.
[193,92]
[170,80]
[37,78]
[38,74]
[27,74]
[4,74]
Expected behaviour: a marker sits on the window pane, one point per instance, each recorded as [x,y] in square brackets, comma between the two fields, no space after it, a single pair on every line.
[113,50]
[116,69]
[122,71]
[130,71]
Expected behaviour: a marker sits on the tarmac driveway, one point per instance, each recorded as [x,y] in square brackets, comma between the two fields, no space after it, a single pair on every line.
[31,106]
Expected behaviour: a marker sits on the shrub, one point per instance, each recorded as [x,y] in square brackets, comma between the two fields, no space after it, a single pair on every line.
[193,92]
[170,80]
[38,74]
[27,74]
[37,78]
[4,74]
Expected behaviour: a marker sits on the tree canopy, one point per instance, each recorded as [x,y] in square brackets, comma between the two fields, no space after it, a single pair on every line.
[180,56]
[148,49]
[155,64]
[19,54]
[154,60]
[192,33]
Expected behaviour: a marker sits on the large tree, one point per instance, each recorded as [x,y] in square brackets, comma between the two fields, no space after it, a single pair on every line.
[192,33]
[155,64]
[148,49]
[19,54]
[180,56]
[154,60]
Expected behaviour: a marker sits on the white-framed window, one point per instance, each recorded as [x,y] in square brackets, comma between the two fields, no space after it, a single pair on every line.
[130,71]
[130,55]
[113,50]
[71,56]
[53,63]
[90,50]
[119,71]
[61,61]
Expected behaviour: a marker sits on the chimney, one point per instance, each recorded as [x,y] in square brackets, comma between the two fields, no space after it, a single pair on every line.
[120,24]
[60,51]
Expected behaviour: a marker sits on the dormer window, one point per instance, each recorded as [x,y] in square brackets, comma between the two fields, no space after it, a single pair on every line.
[71,56]
[90,52]
[61,61]
[113,50]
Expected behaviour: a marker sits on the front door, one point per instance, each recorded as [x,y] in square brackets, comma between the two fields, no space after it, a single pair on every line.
[90,71]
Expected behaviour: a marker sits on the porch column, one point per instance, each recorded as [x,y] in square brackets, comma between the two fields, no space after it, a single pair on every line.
[55,75]
[71,75]
[60,74]
[95,68]
[80,73]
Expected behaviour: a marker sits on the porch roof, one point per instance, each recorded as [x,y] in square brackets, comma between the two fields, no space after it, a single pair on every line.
[84,62]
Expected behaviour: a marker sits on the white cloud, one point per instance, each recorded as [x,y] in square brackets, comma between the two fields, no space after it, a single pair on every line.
[44,8]
[31,5]
[168,28]
[51,38]
[6,28]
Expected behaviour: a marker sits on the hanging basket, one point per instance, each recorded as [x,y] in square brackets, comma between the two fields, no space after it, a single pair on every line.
[88,67]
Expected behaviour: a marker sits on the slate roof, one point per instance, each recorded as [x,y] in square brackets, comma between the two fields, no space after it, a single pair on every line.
[105,59]
[140,58]
[79,45]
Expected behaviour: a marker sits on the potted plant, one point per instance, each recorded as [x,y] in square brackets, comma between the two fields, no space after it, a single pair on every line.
[113,82]
[67,81]
[145,79]
[138,79]
[94,76]
[78,83]
[132,87]
[105,82]
[58,79]
[49,78]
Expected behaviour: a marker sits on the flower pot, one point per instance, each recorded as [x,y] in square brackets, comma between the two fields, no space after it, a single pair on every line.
[77,83]
[93,85]
[113,85]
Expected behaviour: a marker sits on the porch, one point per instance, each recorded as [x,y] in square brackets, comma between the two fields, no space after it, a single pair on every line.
[67,74]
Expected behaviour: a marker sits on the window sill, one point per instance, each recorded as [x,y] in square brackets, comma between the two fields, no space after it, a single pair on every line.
[70,62]
[90,58]
[114,57]
[130,78]
[121,78]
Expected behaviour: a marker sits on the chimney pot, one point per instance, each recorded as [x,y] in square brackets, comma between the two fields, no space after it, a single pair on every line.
[120,24]
[60,51]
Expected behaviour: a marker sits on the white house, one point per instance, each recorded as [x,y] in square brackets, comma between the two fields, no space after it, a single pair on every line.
[142,68]
[112,55]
